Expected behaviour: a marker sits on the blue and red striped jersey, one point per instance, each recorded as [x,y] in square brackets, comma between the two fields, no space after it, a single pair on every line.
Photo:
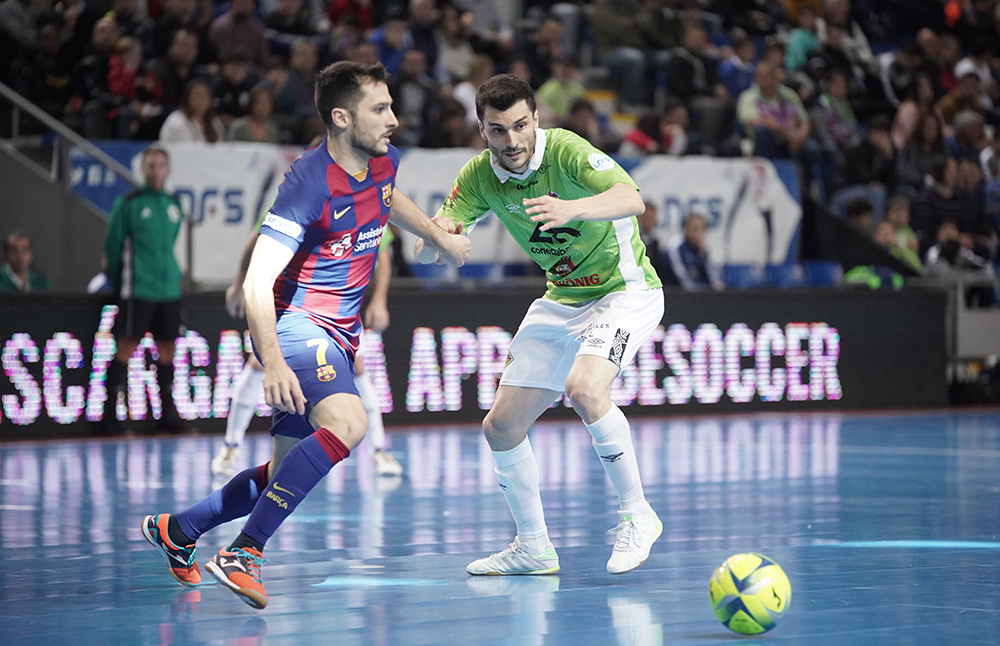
[333,223]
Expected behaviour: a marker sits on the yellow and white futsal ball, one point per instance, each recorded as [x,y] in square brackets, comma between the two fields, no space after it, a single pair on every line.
[750,593]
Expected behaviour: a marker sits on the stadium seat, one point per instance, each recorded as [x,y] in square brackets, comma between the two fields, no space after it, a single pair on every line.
[480,270]
[823,273]
[786,276]
[433,276]
[744,276]
[520,269]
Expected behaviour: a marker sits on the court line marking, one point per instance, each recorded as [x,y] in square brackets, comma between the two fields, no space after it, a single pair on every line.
[916,544]
[372,582]
[908,450]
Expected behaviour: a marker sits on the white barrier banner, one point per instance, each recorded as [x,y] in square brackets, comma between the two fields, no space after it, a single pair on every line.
[752,215]
[223,188]
[426,177]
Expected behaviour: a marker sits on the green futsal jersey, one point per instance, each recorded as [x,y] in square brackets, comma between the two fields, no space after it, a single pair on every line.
[584,260]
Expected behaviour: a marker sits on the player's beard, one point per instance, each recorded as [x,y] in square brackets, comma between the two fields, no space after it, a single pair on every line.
[528,150]
[367,145]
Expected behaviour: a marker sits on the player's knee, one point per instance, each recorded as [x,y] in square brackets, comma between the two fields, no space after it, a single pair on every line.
[349,427]
[355,428]
[493,427]
[585,394]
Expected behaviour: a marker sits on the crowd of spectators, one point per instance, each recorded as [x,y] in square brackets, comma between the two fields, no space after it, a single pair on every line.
[874,100]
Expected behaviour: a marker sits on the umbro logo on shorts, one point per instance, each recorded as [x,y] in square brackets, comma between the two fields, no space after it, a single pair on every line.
[614,457]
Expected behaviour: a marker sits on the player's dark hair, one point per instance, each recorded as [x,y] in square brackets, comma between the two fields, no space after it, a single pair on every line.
[503,91]
[339,86]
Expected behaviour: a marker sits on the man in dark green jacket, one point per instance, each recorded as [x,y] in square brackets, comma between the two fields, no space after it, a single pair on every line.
[143,273]
[16,274]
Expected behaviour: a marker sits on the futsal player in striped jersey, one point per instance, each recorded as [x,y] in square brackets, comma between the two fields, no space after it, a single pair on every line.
[311,264]
[247,385]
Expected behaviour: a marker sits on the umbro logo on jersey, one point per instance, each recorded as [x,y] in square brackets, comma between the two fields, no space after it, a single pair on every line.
[513,208]
[614,457]
[339,214]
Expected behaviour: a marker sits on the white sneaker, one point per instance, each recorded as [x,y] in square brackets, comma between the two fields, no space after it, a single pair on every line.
[636,530]
[224,464]
[516,560]
[386,465]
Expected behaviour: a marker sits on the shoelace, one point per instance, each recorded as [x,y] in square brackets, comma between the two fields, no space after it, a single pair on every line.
[253,562]
[189,551]
[183,552]
[513,548]
[627,534]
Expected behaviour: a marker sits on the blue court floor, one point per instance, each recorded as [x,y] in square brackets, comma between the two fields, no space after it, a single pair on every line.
[888,526]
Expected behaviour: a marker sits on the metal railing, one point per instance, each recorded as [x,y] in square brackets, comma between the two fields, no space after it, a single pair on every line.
[65,139]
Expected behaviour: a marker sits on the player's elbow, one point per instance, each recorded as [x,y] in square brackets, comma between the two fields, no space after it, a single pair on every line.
[632,201]
[254,284]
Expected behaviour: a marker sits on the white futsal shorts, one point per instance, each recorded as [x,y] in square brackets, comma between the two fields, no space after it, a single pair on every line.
[553,334]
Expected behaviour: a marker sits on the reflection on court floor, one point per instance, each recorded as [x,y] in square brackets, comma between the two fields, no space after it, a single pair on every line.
[886,524]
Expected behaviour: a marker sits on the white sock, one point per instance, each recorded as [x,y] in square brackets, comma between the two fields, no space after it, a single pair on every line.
[613,443]
[369,399]
[517,472]
[246,393]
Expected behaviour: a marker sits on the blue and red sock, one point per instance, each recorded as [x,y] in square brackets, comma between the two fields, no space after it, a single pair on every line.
[301,470]
[234,500]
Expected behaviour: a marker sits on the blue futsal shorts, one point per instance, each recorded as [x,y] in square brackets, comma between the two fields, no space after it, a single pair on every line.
[321,364]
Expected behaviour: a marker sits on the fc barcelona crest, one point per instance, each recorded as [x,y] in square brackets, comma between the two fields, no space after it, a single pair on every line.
[387,195]
[326,373]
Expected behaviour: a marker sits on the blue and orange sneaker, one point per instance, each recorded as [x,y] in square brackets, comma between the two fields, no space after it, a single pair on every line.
[239,570]
[180,560]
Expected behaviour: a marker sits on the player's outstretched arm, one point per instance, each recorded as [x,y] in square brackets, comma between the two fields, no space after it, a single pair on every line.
[454,248]
[377,314]
[235,303]
[619,201]
[281,386]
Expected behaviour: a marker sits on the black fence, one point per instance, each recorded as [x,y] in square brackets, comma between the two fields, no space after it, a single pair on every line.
[440,360]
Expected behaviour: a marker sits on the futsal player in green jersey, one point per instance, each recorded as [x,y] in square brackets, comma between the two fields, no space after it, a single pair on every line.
[572,209]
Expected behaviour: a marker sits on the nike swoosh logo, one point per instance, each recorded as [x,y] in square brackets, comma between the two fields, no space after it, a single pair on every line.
[338,214]
[283,489]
